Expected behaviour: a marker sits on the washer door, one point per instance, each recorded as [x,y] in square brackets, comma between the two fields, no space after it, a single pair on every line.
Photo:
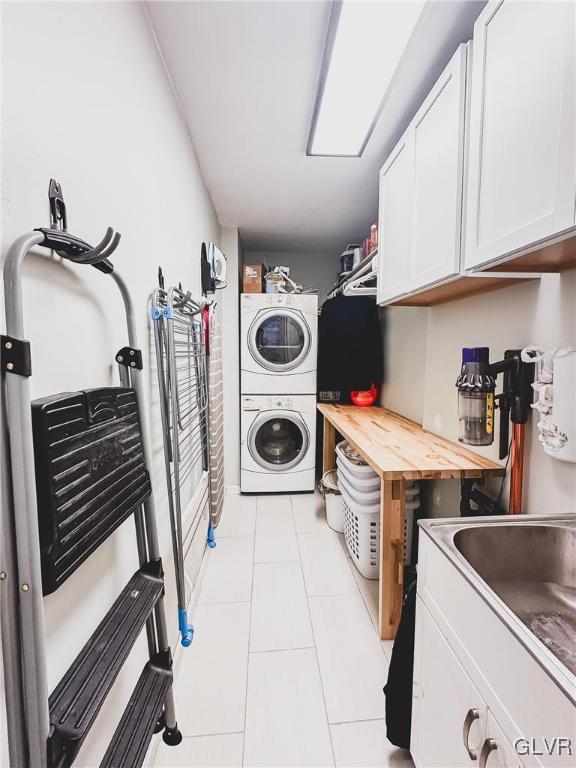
[278,440]
[279,339]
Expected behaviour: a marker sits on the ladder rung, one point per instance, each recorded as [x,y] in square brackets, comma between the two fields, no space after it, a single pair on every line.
[132,736]
[78,697]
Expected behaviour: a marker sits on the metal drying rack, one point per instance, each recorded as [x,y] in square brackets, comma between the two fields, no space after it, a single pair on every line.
[181,356]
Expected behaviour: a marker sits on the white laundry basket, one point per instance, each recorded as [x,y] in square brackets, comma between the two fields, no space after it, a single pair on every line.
[362,529]
[361,497]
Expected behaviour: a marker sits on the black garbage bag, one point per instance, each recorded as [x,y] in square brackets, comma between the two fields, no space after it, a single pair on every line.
[398,689]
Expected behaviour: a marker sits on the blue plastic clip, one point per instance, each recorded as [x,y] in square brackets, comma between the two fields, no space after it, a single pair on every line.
[169,313]
[155,313]
[211,539]
[186,630]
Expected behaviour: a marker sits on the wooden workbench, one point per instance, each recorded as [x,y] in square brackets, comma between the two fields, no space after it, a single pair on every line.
[397,449]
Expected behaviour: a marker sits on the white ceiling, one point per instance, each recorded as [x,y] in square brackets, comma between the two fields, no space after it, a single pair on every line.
[246,75]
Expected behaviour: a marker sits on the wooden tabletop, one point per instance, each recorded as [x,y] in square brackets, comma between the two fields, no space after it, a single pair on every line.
[397,448]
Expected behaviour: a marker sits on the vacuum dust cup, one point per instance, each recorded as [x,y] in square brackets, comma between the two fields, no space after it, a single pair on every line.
[476,387]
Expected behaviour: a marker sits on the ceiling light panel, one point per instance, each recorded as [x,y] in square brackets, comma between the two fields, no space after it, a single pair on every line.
[368,42]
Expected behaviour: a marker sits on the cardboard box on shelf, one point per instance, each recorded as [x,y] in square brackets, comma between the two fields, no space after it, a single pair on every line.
[252,278]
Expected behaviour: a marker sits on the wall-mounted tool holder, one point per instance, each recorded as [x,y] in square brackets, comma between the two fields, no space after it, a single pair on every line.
[476,503]
[555,387]
[58,239]
[477,402]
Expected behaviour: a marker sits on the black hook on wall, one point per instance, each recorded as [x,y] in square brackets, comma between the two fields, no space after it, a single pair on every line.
[57,206]
[70,247]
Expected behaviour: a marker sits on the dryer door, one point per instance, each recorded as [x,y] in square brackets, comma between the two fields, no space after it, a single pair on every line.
[279,339]
[278,440]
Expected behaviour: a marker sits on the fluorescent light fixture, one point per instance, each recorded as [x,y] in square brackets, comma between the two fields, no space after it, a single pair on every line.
[365,43]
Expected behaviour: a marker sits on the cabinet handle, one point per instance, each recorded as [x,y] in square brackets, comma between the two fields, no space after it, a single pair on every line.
[471,716]
[488,747]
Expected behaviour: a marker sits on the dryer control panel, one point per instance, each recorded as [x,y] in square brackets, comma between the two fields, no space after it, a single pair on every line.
[262,300]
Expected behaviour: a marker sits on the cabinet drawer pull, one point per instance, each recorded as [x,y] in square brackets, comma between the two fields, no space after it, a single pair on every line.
[471,716]
[488,747]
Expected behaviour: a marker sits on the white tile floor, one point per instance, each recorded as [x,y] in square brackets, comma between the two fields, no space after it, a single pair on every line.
[286,667]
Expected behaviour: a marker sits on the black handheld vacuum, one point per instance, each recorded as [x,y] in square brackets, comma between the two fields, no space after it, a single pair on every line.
[477,402]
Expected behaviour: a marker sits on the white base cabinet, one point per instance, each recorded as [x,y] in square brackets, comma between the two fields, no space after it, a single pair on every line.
[496,750]
[522,161]
[450,712]
[479,698]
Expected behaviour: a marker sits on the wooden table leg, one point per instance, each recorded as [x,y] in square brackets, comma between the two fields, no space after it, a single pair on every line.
[391,556]
[329,448]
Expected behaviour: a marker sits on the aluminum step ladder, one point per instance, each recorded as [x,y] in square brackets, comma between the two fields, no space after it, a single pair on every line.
[47,731]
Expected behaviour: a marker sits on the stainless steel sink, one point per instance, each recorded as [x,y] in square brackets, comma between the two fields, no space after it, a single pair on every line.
[525,568]
[532,568]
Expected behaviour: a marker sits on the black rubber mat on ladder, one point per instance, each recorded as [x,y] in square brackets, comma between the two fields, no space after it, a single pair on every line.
[90,474]
[134,733]
[78,697]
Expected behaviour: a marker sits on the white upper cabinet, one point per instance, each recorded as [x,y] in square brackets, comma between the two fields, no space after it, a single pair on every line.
[522,162]
[437,137]
[395,222]
[420,197]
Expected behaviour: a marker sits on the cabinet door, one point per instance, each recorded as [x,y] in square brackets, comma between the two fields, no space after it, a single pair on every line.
[497,751]
[522,179]
[394,222]
[437,137]
[443,698]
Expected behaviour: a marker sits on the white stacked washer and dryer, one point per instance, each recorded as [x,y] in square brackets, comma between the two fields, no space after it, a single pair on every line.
[278,360]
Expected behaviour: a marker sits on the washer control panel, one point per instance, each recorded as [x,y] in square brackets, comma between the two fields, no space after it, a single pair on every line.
[266,403]
[281,402]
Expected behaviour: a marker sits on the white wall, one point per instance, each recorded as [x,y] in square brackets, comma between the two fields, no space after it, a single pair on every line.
[422,359]
[85,99]
[229,298]
[404,331]
[315,269]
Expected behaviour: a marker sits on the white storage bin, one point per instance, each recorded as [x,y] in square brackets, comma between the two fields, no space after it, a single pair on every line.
[411,491]
[335,511]
[367,498]
[330,489]
[356,470]
[361,484]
